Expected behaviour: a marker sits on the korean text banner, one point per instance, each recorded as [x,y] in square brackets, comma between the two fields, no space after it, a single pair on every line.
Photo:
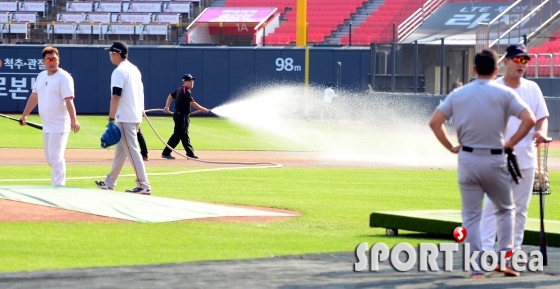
[18,74]
[79,6]
[145,7]
[177,7]
[235,15]
[8,6]
[13,28]
[166,18]
[32,6]
[131,18]
[108,7]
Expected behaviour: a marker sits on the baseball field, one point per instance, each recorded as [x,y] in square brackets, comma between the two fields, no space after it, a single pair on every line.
[333,193]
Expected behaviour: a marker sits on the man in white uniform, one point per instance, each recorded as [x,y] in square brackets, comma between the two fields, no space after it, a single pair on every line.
[327,99]
[516,61]
[127,105]
[54,92]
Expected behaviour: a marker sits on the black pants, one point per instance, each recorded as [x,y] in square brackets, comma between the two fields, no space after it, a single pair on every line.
[142,143]
[180,133]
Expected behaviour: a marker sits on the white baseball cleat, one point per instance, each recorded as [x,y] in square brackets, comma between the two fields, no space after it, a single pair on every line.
[102,185]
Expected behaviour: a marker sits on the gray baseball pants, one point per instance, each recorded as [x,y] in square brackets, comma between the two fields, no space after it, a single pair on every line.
[127,148]
[521,197]
[482,172]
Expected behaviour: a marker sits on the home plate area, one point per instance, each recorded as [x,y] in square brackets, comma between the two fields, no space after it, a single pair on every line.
[126,206]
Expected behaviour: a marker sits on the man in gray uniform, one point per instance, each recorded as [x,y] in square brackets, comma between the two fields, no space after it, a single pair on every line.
[480,112]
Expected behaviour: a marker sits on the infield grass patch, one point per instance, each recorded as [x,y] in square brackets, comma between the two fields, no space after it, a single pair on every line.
[335,206]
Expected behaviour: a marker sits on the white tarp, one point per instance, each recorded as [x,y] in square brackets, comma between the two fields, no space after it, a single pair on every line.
[133,207]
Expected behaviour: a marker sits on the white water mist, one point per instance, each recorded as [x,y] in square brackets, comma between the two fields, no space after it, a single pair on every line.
[366,127]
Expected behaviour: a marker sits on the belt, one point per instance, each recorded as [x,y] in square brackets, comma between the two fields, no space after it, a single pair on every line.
[492,151]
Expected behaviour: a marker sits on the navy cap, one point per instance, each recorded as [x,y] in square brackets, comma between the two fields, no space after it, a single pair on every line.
[517,50]
[119,47]
[188,77]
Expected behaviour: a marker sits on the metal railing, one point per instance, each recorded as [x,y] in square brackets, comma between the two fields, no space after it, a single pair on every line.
[408,26]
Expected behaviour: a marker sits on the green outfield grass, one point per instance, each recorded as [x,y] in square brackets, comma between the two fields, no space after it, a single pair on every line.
[335,206]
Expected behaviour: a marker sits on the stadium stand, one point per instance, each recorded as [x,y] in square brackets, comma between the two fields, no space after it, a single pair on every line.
[379,26]
[323,17]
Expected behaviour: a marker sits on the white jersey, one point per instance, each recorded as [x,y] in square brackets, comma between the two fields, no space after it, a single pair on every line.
[52,90]
[525,149]
[329,94]
[128,77]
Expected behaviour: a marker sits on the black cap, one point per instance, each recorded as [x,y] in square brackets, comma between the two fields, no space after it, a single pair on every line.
[187,77]
[517,50]
[119,47]
[329,84]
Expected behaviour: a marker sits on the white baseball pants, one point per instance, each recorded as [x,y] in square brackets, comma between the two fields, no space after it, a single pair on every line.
[521,197]
[54,145]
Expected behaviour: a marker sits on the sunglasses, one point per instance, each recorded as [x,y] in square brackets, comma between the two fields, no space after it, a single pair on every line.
[521,60]
[51,59]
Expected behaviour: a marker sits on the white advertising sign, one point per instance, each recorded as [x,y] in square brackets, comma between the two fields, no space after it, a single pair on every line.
[85,28]
[144,7]
[3,17]
[166,18]
[131,18]
[61,28]
[69,17]
[32,6]
[14,27]
[24,17]
[97,17]
[152,29]
[108,7]
[177,7]
[8,6]
[79,6]
[120,29]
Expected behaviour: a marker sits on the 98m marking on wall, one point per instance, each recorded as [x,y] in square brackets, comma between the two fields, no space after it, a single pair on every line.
[286,65]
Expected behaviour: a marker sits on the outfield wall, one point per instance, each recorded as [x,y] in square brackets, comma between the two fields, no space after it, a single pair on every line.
[222,73]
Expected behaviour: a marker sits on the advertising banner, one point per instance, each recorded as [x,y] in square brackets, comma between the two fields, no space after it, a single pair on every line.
[108,6]
[8,6]
[69,17]
[31,6]
[131,18]
[144,7]
[254,15]
[166,18]
[24,17]
[97,17]
[79,6]
[177,7]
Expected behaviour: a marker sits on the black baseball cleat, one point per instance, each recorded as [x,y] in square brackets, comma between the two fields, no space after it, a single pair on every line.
[193,157]
[169,157]
[139,191]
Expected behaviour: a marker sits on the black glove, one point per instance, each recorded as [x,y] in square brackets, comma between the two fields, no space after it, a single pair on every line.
[111,136]
[513,166]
